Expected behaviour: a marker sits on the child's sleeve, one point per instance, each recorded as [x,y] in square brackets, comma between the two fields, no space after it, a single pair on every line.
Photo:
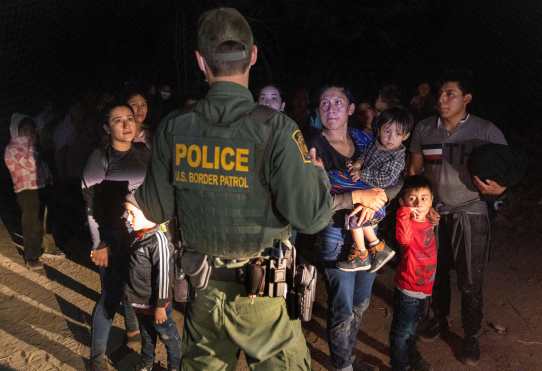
[403,228]
[386,172]
[161,264]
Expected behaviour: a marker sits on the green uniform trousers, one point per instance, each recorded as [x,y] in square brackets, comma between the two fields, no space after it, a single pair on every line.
[222,320]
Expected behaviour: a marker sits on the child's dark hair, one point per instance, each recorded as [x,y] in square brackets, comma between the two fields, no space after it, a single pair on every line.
[416,182]
[401,116]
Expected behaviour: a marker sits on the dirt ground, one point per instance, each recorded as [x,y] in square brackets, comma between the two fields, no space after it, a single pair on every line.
[45,316]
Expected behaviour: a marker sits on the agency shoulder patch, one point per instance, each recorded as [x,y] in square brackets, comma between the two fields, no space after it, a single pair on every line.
[297,136]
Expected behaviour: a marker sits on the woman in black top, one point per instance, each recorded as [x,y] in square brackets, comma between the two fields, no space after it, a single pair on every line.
[110,173]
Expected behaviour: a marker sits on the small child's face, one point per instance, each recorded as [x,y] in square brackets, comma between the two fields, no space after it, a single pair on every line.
[419,200]
[390,137]
[136,218]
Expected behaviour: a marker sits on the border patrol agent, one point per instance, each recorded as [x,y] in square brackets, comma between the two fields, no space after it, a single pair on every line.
[237,175]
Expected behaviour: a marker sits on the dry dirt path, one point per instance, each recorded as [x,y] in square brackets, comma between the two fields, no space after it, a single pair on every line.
[44,317]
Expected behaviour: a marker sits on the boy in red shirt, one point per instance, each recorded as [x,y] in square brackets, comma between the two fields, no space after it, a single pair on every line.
[415,274]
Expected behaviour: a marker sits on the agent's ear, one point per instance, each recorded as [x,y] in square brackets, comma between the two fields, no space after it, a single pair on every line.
[107,129]
[201,61]
[282,106]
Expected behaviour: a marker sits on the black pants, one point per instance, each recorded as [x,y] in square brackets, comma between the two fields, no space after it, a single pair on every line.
[454,254]
[31,221]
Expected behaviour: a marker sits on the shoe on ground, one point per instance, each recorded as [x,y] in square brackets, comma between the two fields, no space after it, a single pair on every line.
[34,265]
[432,329]
[356,261]
[381,255]
[471,351]
[52,251]
[100,363]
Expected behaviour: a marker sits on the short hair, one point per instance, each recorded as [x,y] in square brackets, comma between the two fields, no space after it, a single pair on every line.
[462,77]
[416,182]
[401,116]
[390,94]
[345,89]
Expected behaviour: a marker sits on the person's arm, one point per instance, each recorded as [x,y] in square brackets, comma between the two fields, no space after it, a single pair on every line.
[156,196]
[415,165]
[403,227]
[93,174]
[300,190]
[160,263]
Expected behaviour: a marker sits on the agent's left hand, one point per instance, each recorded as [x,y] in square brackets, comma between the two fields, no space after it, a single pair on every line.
[488,187]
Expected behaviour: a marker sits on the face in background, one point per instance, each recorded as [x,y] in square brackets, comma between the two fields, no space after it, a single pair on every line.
[140,108]
[270,97]
[424,89]
[452,103]
[335,108]
[419,198]
[366,115]
[390,137]
[165,92]
[121,124]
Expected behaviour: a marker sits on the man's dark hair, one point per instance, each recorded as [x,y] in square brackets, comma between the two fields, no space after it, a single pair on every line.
[416,182]
[462,77]
[401,116]
[391,95]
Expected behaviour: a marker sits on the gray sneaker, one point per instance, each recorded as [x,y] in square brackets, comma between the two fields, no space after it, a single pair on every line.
[355,261]
[381,255]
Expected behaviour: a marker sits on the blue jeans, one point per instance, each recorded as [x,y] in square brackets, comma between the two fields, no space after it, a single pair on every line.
[168,335]
[112,281]
[349,294]
[407,311]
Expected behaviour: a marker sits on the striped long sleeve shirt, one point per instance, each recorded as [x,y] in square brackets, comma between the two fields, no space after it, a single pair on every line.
[150,271]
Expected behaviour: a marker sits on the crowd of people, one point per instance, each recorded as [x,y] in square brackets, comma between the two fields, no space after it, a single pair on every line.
[383,159]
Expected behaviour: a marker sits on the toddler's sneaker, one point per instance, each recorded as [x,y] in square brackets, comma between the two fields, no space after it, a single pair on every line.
[381,254]
[356,261]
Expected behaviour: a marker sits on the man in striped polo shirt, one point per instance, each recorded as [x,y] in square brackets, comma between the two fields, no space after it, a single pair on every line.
[440,148]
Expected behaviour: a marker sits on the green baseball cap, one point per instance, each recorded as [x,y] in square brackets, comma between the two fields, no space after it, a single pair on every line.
[220,25]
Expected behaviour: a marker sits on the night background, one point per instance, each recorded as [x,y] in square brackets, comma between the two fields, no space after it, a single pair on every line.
[57,49]
[60,50]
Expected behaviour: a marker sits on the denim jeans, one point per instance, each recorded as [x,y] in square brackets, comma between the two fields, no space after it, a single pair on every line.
[471,290]
[112,281]
[168,335]
[349,294]
[407,312]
